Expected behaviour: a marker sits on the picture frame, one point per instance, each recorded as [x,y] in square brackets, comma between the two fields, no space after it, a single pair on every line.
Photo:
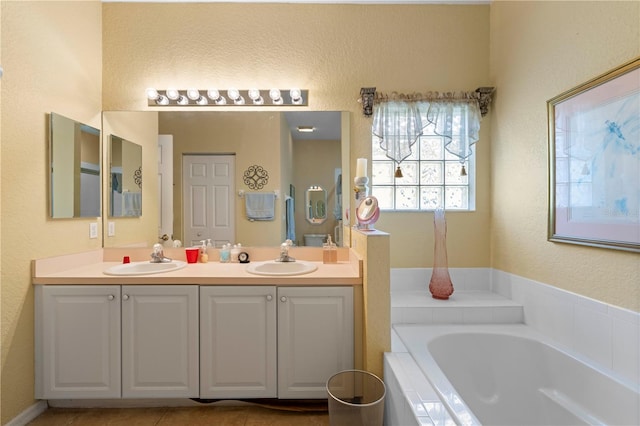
[594,161]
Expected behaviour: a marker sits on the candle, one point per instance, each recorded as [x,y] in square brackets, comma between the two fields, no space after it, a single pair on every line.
[361,167]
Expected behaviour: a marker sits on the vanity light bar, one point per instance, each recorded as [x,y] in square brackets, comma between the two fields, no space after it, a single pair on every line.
[229,97]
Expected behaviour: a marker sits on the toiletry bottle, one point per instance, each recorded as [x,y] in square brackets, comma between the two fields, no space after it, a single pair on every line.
[329,252]
[204,255]
[224,253]
[235,251]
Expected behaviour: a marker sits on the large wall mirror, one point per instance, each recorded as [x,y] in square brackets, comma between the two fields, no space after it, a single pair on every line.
[125,178]
[74,155]
[268,139]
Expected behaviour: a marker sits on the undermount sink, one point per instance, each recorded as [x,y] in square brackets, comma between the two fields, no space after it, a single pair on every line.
[272,267]
[144,268]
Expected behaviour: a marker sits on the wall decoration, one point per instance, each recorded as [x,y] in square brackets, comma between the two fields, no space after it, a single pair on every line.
[594,161]
[255,177]
[137,176]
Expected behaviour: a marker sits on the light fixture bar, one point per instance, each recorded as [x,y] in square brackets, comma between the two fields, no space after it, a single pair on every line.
[230,98]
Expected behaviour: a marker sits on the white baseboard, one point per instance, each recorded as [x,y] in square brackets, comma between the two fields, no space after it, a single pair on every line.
[29,414]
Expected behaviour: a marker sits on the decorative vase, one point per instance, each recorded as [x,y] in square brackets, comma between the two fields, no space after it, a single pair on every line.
[440,285]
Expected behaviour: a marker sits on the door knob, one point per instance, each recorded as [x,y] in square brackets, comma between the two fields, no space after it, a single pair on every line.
[283,299]
[269,297]
[125,297]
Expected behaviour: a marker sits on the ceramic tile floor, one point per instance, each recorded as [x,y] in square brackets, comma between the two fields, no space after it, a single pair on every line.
[247,415]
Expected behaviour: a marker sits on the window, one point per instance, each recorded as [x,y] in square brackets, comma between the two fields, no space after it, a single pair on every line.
[432,176]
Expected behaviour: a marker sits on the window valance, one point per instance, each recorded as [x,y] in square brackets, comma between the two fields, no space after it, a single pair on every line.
[399,120]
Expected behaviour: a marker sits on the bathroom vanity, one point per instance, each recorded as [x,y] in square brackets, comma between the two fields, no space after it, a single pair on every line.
[209,331]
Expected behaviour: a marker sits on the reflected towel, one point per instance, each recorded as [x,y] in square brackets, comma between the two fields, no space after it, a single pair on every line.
[260,205]
[291,223]
[132,203]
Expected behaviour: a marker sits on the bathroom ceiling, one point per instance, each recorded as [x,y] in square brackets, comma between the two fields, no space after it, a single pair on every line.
[326,125]
[310,1]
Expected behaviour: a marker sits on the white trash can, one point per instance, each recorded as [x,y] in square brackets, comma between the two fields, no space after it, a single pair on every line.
[356,398]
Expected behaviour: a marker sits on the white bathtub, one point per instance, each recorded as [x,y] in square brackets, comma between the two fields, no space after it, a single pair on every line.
[512,375]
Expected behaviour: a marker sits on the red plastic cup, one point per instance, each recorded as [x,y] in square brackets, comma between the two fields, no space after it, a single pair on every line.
[192,255]
[126,259]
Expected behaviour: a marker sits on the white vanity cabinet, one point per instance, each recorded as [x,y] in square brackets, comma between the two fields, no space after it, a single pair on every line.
[110,341]
[160,334]
[238,342]
[190,341]
[315,338]
[77,341]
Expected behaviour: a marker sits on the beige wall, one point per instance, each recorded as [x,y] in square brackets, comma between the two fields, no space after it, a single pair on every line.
[49,66]
[539,50]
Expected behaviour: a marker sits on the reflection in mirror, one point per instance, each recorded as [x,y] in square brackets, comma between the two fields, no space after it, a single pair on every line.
[125,180]
[74,154]
[316,205]
[266,138]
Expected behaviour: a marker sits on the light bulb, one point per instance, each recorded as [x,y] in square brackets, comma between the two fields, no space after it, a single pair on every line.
[254,94]
[173,94]
[193,94]
[296,96]
[152,94]
[213,94]
[182,100]
[233,93]
[274,94]
[162,100]
[202,101]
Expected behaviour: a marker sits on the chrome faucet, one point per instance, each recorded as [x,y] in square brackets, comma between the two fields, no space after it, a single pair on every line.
[158,255]
[284,252]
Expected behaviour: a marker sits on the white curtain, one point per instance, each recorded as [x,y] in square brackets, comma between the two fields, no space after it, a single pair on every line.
[397,125]
[459,122]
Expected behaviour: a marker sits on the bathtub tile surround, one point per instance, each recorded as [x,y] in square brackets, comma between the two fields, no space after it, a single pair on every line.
[603,335]
[606,334]
[472,302]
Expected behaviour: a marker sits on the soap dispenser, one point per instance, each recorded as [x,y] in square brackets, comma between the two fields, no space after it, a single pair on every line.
[224,253]
[204,255]
[329,251]
[235,251]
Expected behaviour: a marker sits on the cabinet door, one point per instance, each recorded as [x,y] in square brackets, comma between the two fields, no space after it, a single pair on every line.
[160,341]
[315,338]
[238,342]
[77,341]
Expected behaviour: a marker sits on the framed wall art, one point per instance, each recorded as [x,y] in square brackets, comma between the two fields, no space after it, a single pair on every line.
[594,161]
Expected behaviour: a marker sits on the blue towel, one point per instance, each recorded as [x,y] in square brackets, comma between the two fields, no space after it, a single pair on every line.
[291,222]
[260,205]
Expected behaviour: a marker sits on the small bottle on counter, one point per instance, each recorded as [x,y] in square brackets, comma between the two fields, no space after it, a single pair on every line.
[329,251]
[204,255]
[225,254]
[235,251]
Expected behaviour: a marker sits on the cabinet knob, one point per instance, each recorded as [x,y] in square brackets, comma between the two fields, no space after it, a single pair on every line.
[269,297]
[111,297]
[283,299]
[125,297]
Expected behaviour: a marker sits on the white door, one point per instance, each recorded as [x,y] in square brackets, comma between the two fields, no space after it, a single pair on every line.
[209,206]
[238,342]
[77,341]
[315,338]
[160,333]
[165,185]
